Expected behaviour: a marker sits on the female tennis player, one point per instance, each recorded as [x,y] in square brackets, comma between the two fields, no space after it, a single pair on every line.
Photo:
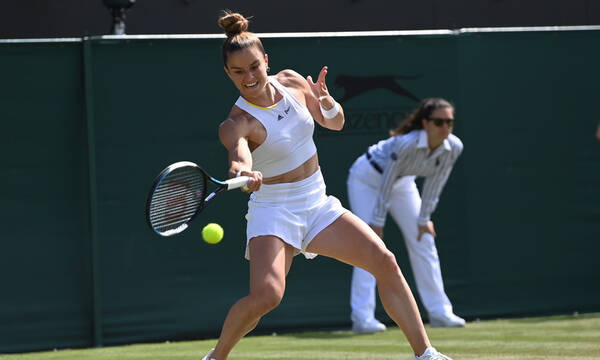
[384,178]
[268,135]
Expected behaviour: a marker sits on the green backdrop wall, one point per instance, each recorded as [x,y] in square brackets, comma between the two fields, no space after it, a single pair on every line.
[88,123]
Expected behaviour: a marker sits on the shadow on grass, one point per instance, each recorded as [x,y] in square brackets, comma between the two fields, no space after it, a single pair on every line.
[335,334]
[541,319]
[574,316]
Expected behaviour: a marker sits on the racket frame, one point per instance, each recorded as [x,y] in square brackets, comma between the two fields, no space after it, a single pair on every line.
[222,186]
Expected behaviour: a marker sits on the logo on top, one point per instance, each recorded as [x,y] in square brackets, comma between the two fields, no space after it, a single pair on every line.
[363,118]
[357,85]
[279,116]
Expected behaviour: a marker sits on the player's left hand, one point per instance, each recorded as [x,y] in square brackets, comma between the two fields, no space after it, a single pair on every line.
[429,228]
[319,89]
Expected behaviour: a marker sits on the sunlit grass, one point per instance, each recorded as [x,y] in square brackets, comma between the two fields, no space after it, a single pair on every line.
[559,337]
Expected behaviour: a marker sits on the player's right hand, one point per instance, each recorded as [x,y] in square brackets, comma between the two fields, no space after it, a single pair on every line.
[254,183]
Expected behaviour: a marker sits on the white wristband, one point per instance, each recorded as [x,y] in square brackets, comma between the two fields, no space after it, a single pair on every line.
[331,113]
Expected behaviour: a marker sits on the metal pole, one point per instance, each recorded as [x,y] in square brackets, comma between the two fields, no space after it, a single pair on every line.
[93,200]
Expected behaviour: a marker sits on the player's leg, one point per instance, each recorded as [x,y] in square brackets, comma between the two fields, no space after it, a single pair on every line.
[270,261]
[352,241]
[362,197]
[405,204]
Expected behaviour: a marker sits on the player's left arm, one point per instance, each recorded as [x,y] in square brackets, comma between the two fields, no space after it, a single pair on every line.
[319,99]
[316,95]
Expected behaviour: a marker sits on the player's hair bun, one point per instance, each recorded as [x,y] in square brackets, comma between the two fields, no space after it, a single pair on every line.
[233,23]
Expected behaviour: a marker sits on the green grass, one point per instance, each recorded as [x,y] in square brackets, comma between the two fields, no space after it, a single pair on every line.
[557,337]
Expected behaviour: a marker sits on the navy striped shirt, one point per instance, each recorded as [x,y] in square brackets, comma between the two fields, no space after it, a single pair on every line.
[408,154]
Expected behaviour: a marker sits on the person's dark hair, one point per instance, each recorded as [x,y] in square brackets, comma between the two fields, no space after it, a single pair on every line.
[238,38]
[414,120]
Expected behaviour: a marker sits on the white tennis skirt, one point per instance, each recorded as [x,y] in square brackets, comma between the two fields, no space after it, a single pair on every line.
[294,212]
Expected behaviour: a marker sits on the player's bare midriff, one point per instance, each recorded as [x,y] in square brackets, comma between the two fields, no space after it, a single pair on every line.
[303,171]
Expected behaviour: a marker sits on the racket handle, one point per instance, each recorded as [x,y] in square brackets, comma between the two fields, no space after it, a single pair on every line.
[237,182]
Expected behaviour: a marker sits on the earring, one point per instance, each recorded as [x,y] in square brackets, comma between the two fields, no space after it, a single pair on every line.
[268,69]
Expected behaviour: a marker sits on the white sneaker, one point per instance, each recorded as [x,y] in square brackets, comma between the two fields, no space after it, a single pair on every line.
[448,320]
[207,357]
[368,326]
[432,354]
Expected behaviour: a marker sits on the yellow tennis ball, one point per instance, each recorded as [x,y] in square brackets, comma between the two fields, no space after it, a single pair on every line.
[212,233]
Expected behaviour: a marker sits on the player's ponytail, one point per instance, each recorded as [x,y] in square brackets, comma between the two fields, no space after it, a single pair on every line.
[238,36]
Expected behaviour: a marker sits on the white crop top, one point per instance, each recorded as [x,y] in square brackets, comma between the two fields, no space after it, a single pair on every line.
[289,142]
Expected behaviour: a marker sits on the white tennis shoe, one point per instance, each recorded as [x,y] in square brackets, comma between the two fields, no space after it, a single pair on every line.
[448,320]
[207,357]
[368,326]
[432,354]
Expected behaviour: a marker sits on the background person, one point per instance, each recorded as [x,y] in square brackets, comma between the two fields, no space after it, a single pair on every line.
[382,180]
[268,135]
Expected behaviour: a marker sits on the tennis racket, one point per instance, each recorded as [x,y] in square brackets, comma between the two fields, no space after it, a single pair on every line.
[179,193]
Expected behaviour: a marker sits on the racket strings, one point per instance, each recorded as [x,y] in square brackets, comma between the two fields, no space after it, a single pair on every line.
[172,188]
[176,199]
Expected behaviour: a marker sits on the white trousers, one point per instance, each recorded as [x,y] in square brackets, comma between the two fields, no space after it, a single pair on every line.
[404,205]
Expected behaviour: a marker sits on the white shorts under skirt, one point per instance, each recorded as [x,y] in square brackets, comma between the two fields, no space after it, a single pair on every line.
[295,212]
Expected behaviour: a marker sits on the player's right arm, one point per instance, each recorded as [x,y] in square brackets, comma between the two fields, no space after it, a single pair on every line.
[234,133]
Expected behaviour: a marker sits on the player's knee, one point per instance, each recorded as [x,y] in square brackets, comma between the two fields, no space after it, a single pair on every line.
[269,302]
[386,265]
[267,298]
